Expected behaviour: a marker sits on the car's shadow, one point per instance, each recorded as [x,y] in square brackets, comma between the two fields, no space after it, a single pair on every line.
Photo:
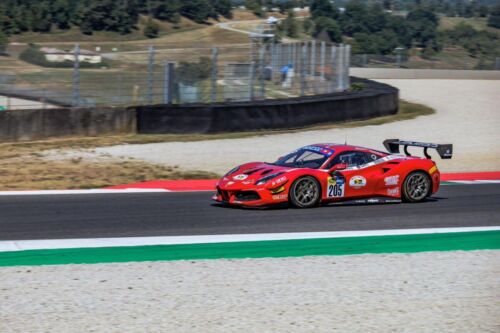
[357,203]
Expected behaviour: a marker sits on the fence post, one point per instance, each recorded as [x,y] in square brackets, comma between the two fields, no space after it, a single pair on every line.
[313,57]
[497,63]
[303,70]
[76,76]
[251,76]
[333,79]
[262,82]
[151,63]
[213,96]
[340,67]
[166,81]
[322,60]
[347,65]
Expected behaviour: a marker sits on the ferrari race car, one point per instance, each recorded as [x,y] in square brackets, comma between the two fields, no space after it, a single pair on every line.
[328,173]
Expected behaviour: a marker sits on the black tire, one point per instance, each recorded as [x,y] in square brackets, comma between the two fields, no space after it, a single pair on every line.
[305,192]
[416,187]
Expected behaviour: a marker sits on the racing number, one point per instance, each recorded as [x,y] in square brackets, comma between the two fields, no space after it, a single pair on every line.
[335,188]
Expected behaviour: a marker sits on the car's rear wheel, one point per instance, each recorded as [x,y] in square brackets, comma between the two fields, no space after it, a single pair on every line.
[416,187]
[305,192]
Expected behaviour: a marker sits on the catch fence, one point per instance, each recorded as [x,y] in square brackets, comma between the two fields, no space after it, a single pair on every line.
[181,76]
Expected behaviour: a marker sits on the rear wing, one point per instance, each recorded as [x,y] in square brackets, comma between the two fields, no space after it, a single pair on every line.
[392,145]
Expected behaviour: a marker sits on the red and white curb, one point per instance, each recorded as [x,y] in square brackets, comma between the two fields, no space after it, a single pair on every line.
[200,185]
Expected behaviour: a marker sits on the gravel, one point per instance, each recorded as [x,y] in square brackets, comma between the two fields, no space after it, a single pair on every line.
[467,116]
[421,292]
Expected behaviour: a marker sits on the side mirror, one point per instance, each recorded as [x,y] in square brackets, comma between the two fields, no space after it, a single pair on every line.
[338,166]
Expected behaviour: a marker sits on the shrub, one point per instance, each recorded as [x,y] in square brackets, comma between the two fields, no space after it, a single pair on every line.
[357,86]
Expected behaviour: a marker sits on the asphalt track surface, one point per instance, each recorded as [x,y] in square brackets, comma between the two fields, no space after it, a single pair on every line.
[193,213]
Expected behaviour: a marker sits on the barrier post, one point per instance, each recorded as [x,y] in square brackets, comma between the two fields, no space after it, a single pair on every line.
[333,79]
[213,79]
[340,67]
[313,58]
[303,70]
[151,62]
[251,76]
[76,76]
[347,65]
[262,82]
[322,60]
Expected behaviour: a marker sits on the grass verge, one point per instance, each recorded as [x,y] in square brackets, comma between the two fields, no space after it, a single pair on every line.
[24,166]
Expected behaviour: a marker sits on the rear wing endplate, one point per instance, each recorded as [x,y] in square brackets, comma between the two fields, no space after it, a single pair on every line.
[445,151]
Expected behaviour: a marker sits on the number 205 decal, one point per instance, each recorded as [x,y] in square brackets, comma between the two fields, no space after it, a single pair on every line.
[335,188]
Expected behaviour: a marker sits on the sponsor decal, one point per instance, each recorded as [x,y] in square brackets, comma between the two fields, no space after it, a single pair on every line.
[393,191]
[241,176]
[335,187]
[357,182]
[247,182]
[279,181]
[230,183]
[391,180]
[320,150]
[433,169]
[279,196]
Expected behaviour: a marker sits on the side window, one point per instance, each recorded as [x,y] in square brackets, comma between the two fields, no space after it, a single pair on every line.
[353,158]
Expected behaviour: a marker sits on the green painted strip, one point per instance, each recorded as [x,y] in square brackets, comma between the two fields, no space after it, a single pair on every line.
[259,249]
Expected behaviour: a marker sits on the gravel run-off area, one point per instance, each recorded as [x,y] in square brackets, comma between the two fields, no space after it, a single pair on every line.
[420,292]
[468,115]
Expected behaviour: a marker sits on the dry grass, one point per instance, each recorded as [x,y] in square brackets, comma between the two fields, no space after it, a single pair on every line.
[24,167]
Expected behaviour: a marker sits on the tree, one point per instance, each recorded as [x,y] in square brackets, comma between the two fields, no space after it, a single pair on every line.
[323,8]
[197,10]
[289,25]
[255,6]
[328,25]
[494,18]
[60,12]
[151,29]
[3,42]
[165,10]
[223,7]
[423,24]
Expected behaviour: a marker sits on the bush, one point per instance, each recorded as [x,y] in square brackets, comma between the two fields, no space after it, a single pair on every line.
[34,56]
[357,86]
[191,72]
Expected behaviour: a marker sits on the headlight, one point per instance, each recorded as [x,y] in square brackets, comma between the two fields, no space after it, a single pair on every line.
[269,177]
[233,170]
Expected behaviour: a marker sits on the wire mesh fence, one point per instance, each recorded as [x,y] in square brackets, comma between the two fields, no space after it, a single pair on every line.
[182,76]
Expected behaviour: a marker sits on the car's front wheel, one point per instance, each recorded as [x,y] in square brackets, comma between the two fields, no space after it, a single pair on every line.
[305,192]
[416,187]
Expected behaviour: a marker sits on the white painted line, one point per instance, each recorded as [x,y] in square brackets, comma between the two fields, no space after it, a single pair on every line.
[474,182]
[90,191]
[21,245]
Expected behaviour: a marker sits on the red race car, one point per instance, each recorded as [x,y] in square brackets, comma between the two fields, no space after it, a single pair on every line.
[328,173]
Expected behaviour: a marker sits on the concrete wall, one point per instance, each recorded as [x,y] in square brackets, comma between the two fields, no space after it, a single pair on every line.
[22,125]
[375,100]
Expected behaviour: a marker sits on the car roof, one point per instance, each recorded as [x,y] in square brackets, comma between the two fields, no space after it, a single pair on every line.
[345,147]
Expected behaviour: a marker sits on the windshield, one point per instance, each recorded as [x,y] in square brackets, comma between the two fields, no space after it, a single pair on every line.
[308,157]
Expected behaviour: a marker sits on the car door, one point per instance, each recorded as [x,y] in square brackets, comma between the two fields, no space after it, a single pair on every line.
[358,180]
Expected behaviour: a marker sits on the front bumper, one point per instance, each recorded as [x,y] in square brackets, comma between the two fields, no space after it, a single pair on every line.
[256,197]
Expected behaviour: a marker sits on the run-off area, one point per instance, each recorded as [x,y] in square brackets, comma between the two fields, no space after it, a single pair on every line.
[419,292]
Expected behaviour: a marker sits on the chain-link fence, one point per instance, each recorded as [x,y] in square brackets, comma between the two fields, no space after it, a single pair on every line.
[180,76]
[414,62]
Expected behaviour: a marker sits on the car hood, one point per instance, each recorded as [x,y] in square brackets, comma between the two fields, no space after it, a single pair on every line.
[250,173]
